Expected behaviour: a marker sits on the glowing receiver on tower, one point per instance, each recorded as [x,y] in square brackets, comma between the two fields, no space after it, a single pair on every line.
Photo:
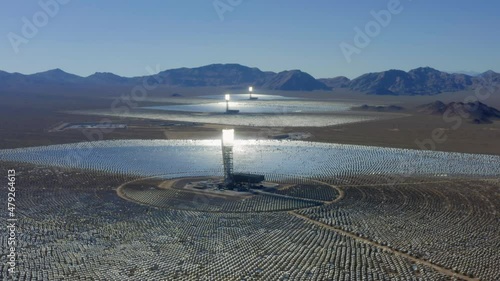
[235,180]
[250,90]
[227,155]
[227,97]
[228,137]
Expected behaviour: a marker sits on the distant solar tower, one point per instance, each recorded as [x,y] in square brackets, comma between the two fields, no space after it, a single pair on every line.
[227,97]
[250,90]
[227,155]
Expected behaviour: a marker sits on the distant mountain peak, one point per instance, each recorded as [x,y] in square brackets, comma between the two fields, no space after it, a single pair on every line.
[488,72]
[476,112]
[294,80]
[418,81]
[336,82]
[107,77]
[56,75]
[53,71]
[102,74]
[424,69]
[224,66]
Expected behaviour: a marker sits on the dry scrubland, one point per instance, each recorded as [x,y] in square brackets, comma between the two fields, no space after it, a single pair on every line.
[74,226]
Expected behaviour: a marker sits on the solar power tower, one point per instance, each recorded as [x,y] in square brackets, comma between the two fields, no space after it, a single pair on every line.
[227,97]
[227,155]
[250,90]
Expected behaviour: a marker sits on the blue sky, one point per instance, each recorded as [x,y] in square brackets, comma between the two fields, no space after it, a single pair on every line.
[124,36]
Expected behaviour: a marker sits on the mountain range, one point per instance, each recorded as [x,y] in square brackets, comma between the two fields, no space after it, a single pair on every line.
[475,112]
[419,81]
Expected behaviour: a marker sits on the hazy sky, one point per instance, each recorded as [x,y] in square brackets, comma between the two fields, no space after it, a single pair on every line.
[125,37]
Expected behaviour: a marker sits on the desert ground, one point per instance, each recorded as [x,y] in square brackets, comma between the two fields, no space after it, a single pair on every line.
[373,226]
[29,119]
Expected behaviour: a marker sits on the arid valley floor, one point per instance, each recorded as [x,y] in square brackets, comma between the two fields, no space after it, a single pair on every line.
[431,216]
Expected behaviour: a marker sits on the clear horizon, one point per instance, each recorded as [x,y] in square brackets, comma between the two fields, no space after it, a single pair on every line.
[124,37]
